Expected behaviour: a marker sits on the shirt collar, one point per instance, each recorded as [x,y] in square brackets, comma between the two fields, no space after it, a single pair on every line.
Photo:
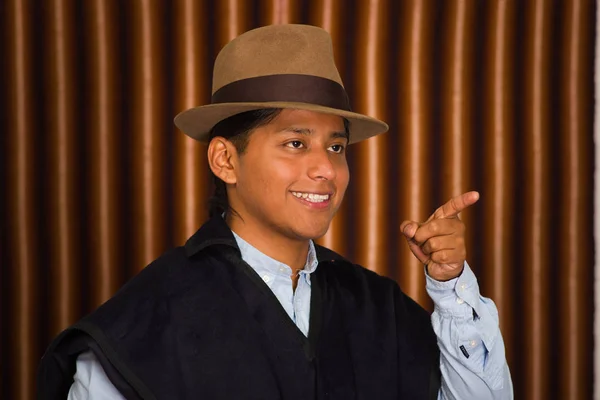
[258,260]
[216,232]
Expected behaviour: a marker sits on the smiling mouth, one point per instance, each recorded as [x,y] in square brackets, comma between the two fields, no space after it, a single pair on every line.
[312,197]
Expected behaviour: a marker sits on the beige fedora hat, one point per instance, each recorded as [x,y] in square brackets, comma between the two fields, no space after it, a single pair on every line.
[277,66]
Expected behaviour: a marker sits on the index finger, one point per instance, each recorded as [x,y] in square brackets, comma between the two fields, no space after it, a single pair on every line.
[456,204]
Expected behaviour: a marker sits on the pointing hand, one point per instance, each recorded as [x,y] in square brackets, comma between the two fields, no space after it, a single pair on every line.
[439,242]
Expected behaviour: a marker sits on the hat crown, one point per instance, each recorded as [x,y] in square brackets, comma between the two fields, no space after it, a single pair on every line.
[277,66]
[276,50]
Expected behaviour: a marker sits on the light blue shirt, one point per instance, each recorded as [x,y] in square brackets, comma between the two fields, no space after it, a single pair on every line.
[472,361]
[277,276]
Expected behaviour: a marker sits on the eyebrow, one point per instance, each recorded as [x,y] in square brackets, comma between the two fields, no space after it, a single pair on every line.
[309,132]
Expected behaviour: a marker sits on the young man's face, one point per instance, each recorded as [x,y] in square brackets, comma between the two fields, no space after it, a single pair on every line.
[292,177]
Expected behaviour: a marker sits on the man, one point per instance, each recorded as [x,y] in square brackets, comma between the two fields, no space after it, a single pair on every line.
[250,307]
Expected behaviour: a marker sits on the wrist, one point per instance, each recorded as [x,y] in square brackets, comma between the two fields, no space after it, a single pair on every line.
[445,276]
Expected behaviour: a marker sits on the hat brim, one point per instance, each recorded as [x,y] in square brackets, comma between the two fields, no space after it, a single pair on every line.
[197,122]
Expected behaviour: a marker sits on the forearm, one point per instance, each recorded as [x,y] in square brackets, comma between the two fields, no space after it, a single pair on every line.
[472,358]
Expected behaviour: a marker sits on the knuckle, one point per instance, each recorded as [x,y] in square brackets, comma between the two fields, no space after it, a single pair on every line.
[427,247]
[433,244]
[454,203]
[420,235]
[442,256]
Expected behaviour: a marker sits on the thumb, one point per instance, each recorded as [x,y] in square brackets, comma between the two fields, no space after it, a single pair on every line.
[409,228]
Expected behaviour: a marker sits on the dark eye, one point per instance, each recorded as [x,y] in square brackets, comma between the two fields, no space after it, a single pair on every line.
[337,148]
[295,144]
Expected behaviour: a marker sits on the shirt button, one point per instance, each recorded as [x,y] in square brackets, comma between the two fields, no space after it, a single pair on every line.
[463,286]
[459,300]
[473,343]
[266,278]
[281,269]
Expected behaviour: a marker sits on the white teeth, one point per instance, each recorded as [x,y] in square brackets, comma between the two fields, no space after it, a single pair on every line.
[312,197]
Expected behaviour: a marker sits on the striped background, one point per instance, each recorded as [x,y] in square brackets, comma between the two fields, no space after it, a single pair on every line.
[494,95]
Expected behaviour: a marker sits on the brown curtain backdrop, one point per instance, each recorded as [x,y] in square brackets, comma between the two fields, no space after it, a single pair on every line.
[494,95]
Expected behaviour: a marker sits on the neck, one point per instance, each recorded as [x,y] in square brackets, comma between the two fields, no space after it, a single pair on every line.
[286,250]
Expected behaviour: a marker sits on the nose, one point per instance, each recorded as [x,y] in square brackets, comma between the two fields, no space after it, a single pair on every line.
[321,166]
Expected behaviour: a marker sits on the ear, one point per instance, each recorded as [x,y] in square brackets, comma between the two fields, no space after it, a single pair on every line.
[221,159]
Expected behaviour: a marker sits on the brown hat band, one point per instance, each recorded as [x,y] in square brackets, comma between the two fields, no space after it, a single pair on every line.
[285,88]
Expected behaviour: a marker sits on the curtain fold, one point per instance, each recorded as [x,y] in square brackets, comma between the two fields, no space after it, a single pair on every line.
[536,129]
[499,125]
[103,149]
[191,87]
[370,168]
[575,336]
[21,242]
[415,119]
[493,96]
[147,121]
[61,144]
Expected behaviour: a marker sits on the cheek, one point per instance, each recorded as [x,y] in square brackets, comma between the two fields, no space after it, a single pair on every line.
[343,176]
[284,171]
[267,178]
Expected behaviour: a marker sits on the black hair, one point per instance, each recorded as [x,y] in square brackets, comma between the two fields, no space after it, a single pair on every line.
[237,130]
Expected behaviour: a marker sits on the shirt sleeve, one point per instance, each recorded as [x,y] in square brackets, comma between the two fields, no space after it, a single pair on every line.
[91,382]
[472,359]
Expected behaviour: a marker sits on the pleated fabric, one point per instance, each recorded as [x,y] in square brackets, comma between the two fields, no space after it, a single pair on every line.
[494,96]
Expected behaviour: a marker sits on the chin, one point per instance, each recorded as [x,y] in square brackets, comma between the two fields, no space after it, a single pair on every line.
[312,231]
